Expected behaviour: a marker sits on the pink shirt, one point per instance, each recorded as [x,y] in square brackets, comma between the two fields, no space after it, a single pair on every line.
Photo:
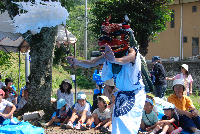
[182,77]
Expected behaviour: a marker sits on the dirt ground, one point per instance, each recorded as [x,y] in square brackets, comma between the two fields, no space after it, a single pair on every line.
[57,130]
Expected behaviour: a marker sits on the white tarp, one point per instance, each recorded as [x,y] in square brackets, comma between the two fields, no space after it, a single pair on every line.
[10,41]
[61,36]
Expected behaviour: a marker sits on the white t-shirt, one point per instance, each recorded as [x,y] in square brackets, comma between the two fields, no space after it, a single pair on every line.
[104,115]
[22,102]
[11,98]
[80,109]
[3,105]
[69,98]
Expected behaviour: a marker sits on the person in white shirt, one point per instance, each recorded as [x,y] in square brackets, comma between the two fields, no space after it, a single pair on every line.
[6,109]
[65,92]
[101,115]
[81,111]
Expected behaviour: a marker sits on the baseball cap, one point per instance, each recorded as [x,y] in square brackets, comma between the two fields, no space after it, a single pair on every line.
[156,58]
[168,105]
[81,95]
[149,100]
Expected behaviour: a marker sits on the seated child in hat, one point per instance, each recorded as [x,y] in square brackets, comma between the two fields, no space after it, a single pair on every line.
[188,114]
[81,111]
[149,117]
[101,115]
[109,89]
[65,92]
[168,123]
[6,109]
[108,126]
[151,96]
[63,113]
[11,89]
[9,97]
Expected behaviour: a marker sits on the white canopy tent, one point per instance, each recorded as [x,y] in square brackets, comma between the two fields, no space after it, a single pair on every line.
[16,43]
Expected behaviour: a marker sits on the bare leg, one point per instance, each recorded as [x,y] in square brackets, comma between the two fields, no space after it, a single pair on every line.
[73,118]
[193,129]
[142,126]
[7,111]
[54,119]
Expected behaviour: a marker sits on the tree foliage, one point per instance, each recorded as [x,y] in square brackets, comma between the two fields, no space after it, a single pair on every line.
[76,25]
[5,59]
[146,17]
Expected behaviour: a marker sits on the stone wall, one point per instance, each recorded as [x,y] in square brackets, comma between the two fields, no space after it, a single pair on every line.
[172,68]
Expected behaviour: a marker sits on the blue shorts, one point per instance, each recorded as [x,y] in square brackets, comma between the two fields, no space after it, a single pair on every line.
[1,119]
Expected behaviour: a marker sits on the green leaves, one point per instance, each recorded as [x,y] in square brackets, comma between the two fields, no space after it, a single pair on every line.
[146,17]
[5,59]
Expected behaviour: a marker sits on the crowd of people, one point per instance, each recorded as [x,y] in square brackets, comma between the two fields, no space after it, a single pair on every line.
[179,111]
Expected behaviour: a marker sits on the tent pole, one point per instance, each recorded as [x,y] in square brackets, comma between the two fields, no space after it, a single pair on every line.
[19,68]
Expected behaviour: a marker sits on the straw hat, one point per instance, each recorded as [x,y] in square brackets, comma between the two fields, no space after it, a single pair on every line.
[81,95]
[105,98]
[110,82]
[185,66]
[178,81]
[156,58]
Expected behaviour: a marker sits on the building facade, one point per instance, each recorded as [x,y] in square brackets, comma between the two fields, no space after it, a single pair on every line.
[181,38]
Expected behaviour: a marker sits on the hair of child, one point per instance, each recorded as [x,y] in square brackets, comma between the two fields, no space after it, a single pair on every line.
[8,80]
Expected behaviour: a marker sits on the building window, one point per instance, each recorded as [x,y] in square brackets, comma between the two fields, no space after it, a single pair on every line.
[195,46]
[172,19]
[184,39]
[194,8]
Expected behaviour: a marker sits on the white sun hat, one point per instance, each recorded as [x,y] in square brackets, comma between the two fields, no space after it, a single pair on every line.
[185,66]
[168,106]
[110,82]
[178,81]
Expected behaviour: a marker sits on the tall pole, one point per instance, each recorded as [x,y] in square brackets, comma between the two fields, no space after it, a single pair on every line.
[27,65]
[85,42]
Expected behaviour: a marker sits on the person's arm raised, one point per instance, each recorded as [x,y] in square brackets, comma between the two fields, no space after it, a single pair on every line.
[85,63]
[109,56]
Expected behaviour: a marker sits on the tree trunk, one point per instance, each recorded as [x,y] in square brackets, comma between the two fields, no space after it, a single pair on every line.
[40,78]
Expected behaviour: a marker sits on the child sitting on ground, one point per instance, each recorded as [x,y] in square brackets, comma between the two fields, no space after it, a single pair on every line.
[63,110]
[9,97]
[151,96]
[109,123]
[6,109]
[188,114]
[149,117]
[11,89]
[81,111]
[101,115]
[168,123]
